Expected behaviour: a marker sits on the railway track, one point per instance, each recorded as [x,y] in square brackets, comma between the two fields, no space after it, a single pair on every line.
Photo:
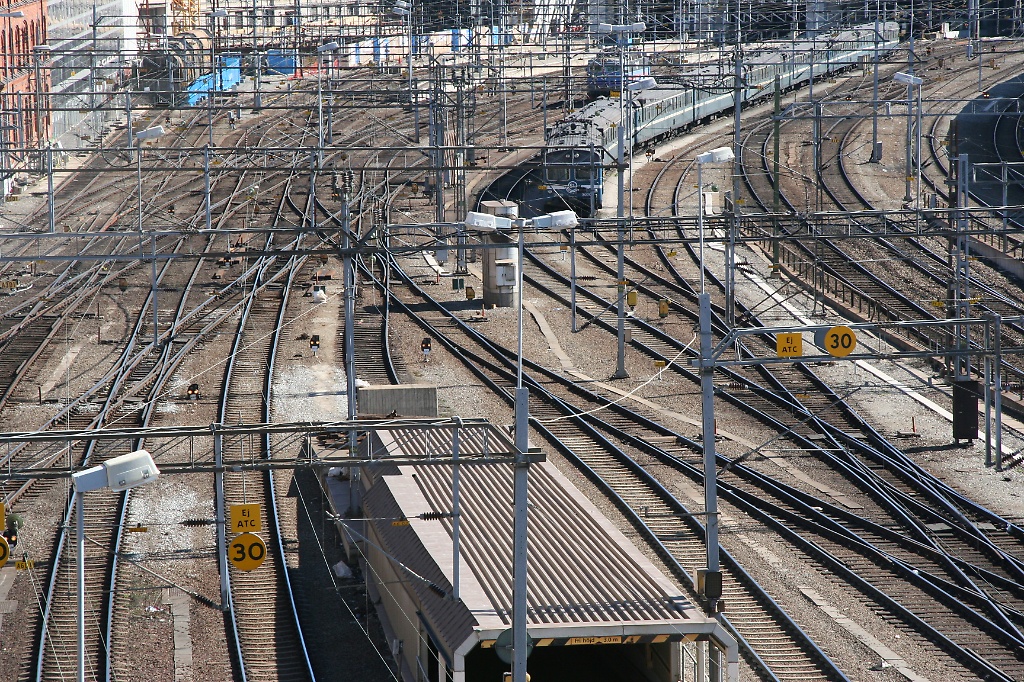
[758,618]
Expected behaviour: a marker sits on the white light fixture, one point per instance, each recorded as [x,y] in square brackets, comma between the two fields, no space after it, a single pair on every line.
[149,133]
[13,15]
[218,14]
[42,48]
[642,84]
[328,47]
[907,79]
[720,155]
[402,8]
[556,220]
[119,473]
[486,221]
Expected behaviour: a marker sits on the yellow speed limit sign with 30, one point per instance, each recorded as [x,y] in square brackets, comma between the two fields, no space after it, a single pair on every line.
[5,551]
[838,341]
[247,551]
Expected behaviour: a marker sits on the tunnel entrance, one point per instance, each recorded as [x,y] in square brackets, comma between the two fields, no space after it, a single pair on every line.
[590,663]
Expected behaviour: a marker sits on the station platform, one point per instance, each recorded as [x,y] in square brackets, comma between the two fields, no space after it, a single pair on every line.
[598,608]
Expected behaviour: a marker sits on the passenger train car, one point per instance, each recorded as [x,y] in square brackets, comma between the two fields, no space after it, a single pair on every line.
[579,147]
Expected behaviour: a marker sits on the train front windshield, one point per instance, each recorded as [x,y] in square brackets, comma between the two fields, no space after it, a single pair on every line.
[558,167]
[565,165]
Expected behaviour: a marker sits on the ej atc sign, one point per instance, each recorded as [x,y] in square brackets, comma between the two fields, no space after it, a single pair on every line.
[245,518]
[247,552]
[5,551]
[789,345]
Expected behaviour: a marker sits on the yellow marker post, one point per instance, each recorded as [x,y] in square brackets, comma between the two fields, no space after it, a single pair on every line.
[245,518]
[789,345]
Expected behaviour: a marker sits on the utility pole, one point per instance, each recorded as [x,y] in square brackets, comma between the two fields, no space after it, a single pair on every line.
[775,177]
[876,148]
[737,170]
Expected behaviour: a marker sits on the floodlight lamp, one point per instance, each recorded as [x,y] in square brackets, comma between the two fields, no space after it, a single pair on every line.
[719,155]
[558,219]
[638,27]
[401,11]
[150,133]
[642,84]
[486,221]
[118,473]
[328,47]
[13,15]
[42,48]
[131,470]
[907,79]
[218,14]
[604,28]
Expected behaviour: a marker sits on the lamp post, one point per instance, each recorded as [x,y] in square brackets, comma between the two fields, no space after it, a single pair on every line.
[711,583]
[257,98]
[876,151]
[913,160]
[38,53]
[119,474]
[719,155]
[621,31]
[325,49]
[487,222]
[404,9]
[140,137]
[215,76]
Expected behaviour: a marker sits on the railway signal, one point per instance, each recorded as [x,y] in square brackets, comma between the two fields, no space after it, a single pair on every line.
[193,392]
[314,343]
[663,308]
[425,347]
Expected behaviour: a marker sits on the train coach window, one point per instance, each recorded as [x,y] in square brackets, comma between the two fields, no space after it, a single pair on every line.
[558,173]
[582,172]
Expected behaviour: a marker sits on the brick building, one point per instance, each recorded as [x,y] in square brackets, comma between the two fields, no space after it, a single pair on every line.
[24,116]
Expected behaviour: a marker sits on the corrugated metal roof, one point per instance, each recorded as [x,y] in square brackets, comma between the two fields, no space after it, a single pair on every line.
[584,574]
[475,439]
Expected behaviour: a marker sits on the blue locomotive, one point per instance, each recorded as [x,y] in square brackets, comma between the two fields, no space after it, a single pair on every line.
[604,72]
[579,147]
